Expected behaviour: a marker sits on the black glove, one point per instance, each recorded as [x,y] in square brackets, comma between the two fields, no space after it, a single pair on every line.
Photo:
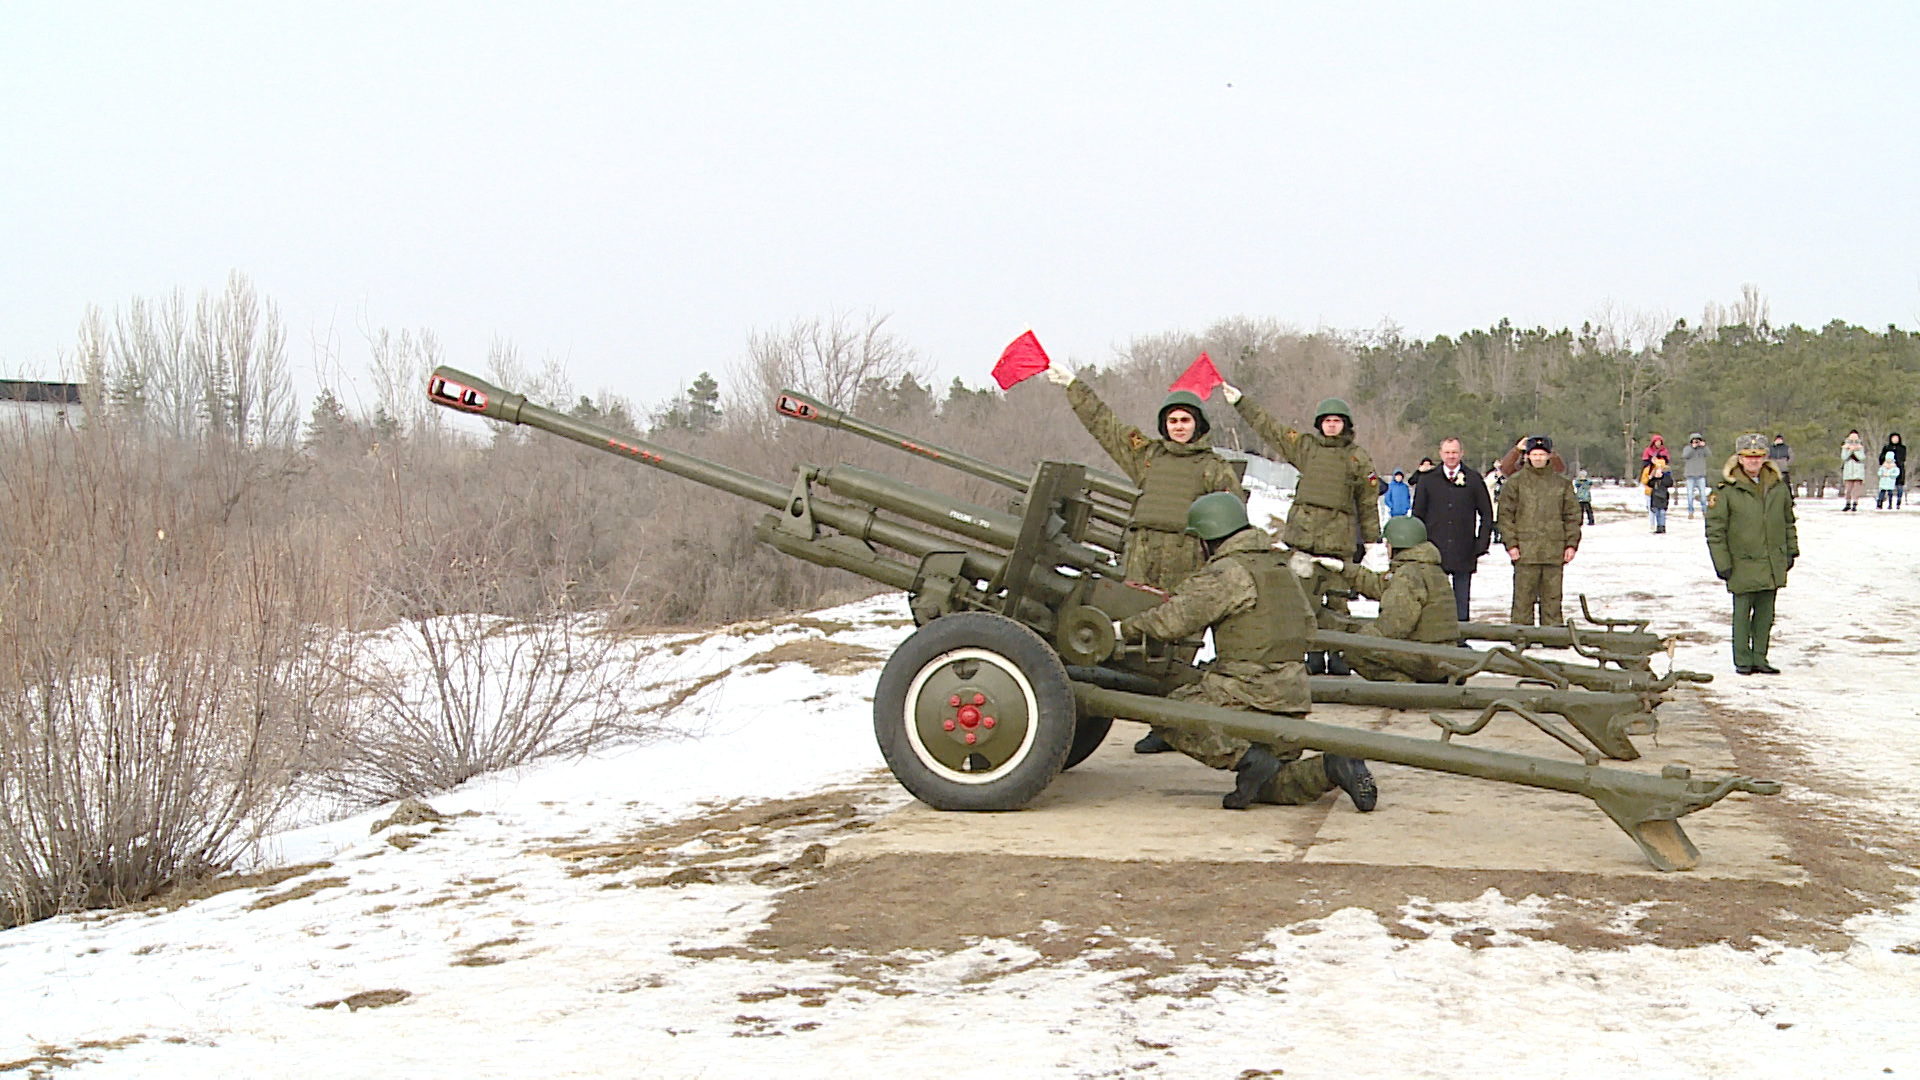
[1790,563]
[1725,574]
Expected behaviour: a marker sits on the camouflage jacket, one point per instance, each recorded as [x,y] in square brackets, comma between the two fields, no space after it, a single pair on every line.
[1336,503]
[1415,594]
[1136,452]
[1539,515]
[1224,588]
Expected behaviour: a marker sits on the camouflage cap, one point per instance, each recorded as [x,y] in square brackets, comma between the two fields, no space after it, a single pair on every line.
[1752,444]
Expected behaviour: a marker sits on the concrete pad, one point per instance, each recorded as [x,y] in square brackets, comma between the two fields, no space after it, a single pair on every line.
[1122,806]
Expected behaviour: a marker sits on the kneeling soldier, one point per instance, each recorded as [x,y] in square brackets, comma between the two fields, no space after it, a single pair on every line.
[1416,604]
[1260,622]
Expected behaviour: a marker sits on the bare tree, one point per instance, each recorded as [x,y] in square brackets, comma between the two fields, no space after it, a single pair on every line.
[831,358]
[1642,358]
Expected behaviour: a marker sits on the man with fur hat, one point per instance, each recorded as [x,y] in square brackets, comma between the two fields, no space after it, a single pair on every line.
[1250,597]
[1336,502]
[1416,604]
[1751,536]
[1170,471]
[1539,520]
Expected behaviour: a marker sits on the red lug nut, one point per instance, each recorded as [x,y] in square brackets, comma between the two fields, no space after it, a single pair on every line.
[969,716]
[954,701]
[971,737]
[948,725]
[979,699]
[986,721]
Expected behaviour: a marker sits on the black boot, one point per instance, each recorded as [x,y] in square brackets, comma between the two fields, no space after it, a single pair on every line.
[1764,668]
[1257,768]
[1154,743]
[1337,664]
[1352,776]
[1316,663]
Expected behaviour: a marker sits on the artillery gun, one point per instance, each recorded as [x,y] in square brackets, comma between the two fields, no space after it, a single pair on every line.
[1014,672]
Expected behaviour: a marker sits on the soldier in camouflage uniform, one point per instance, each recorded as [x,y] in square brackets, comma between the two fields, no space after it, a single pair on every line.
[1260,622]
[1170,471]
[1539,520]
[1416,604]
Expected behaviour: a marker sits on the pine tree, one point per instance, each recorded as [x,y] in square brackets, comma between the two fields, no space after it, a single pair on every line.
[703,404]
[329,425]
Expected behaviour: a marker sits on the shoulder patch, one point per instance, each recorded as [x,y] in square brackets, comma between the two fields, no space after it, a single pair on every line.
[1138,441]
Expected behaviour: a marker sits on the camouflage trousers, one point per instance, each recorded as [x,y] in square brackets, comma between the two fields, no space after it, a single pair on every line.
[1162,559]
[1537,583]
[1301,779]
[1417,669]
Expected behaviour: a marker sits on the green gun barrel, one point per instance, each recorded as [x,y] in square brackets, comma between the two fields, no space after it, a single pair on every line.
[460,391]
[798,406]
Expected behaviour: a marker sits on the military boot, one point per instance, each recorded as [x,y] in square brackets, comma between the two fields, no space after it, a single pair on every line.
[1337,664]
[1154,743]
[1256,768]
[1316,663]
[1352,776]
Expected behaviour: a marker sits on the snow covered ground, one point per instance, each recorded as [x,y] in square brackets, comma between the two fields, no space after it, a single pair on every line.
[517,961]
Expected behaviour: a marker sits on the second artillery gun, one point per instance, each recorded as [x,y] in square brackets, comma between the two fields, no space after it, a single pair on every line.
[1013,673]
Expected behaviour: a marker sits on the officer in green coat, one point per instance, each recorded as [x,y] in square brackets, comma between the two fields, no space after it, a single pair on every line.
[1539,521]
[1260,620]
[1170,471]
[1751,536]
[1416,604]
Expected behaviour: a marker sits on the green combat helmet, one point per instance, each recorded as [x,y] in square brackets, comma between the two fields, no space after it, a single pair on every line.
[1405,532]
[1333,406]
[1190,401]
[1216,515]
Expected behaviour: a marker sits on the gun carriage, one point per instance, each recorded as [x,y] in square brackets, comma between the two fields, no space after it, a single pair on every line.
[1014,673]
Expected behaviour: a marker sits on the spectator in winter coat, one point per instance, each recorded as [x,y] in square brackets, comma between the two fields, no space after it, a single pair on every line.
[1657,481]
[1782,457]
[1398,496]
[1753,542]
[1656,447]
[1454,505]
[1898,448]
[1583,494]
[1889,476]
[1422,469]
[1853,470]
[1695,466]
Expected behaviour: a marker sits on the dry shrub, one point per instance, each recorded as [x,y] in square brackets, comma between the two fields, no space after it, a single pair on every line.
[170,652]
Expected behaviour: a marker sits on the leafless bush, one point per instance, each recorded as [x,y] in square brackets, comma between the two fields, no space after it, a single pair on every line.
[169,656]
[491,659]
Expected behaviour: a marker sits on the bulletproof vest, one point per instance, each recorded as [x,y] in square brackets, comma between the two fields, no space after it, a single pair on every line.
[1324,482]
[1275,629]
[1173,481]
[1439,622]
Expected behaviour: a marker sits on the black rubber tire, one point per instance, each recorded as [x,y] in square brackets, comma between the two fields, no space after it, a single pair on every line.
[1054,724]
[1088,734]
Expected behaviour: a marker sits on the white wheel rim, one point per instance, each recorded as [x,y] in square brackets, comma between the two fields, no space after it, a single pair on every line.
[920,751]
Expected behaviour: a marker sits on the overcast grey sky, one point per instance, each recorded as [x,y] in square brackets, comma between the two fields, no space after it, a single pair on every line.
[636,187]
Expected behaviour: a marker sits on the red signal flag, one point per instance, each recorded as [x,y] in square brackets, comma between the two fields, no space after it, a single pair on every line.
[1200,378]
[1022,359]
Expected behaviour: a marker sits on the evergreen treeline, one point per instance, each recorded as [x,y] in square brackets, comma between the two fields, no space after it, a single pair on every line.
[1601,392]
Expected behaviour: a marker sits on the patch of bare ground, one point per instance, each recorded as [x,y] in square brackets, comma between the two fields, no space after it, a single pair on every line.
[763,842]
[47,1057]
[824,656]
[1173,926]
[298,892]
[365,999]
[188,892]
[476,955]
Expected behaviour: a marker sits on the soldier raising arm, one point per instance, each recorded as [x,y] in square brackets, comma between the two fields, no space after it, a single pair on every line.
[1171,471]
[1260,622]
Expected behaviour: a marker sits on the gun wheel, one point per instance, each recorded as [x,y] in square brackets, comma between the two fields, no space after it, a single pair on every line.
[974,712]
[1087,737]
